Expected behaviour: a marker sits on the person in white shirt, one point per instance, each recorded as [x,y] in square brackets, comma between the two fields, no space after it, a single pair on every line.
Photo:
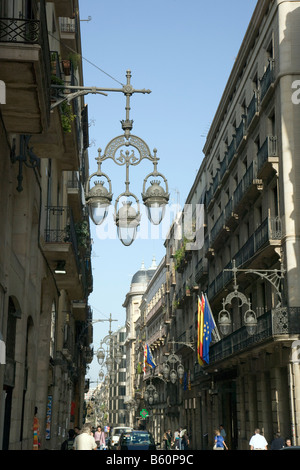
[258,442]
[85,440]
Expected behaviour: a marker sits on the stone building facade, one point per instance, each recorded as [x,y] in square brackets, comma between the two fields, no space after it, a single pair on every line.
[45,249]
[246,258]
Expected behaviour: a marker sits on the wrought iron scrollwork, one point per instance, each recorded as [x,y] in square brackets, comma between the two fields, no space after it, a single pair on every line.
[19,30]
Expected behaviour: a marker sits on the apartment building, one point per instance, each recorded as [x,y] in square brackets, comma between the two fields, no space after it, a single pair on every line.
[117,381]
[45,247]
[152,331]
[132,344]
[252,224]
[248,264]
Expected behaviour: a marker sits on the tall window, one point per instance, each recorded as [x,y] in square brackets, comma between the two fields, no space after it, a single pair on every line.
[16,9]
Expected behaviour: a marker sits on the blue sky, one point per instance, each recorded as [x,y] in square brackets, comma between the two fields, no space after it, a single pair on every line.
[183,51]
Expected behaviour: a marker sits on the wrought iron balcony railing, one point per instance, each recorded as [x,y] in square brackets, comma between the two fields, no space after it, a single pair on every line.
[20,30]
[270,229]
[266,80]
[252,109]
[275,322]
[268,149]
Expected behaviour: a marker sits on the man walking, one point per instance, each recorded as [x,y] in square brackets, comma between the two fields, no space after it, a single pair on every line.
[85,440]
[257,441]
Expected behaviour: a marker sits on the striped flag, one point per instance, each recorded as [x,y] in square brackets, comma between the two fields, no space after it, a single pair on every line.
[206,324]
[200,329]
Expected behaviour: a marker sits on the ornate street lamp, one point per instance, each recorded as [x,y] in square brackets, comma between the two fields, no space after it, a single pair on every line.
[151,394]
[155,196]
[273,276]
[109,356]
[169,369]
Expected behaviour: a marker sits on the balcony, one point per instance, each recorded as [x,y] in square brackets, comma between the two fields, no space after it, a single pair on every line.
[154,310]
[231,151]
[25,69]
[267,83]
[252,112]
[68,31]
[60,140]
[267,158]
[218,231]
[158,338]
[278,322]
[241,135]
[75,192]
[247,189]
[260,245]
[201,271]
[61,243]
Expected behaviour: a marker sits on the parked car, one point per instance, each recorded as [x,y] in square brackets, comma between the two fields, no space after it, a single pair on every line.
[136,440]
[291,448]
[115,436]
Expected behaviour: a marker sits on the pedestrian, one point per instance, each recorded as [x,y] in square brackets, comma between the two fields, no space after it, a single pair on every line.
[169,437]
[222,431]
[278,442]
[182,434]
[68,444]
[176,439]
[97,436]
[102,439]
[185,441]
[288,443]
[36,430]
[166,441]
[85,441]
[219,442]
[257,441]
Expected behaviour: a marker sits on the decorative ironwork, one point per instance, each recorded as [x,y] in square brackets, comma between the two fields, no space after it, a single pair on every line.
[19,30]
[155,197]
[26,157]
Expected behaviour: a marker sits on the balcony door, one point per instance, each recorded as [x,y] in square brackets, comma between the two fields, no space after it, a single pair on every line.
[18,9]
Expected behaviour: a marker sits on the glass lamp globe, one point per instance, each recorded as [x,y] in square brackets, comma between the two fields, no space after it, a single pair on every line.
[173,376]
[180,371]
[166,370]
[250,322]
[109,364]
[155,199]
[98,200]
[101,375]
[224,322]
[100,356]
[118,357]
[127,221]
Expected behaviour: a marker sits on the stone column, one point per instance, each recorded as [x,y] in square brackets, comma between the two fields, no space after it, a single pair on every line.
[296,393]
[241,412]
